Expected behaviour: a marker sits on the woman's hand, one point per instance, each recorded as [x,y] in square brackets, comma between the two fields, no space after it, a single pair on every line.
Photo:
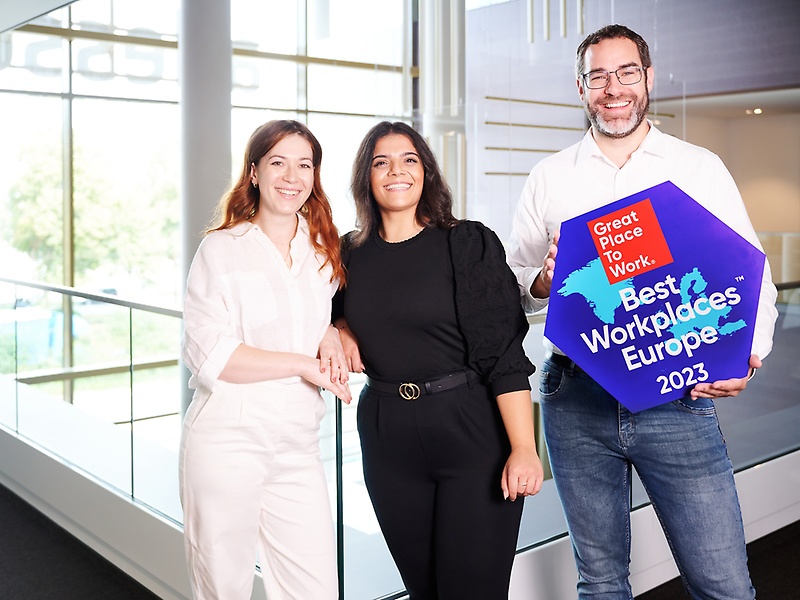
[350,345]
[331,356]
[314,372]
[523,473]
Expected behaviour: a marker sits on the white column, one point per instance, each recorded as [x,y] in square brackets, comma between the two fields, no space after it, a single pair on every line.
[442,89]
[205,75]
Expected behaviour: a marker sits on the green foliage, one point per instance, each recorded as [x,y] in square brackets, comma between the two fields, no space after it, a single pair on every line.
[33,222]
[128,228]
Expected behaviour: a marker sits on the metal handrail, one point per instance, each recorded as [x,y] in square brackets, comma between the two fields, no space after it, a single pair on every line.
[95,296]
[60,374]
[787,285]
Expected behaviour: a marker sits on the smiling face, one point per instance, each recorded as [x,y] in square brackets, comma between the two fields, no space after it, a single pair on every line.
[396,174]
[284,176]
[617,110]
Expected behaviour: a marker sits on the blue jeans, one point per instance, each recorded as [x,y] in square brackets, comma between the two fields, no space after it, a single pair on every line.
[680,455]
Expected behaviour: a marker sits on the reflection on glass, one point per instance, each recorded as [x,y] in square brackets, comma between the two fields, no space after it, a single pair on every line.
[143,18]
[56,18]
[147,18]
[340,136]
[266,26]
[265,83]
[124,70]
[31,62]
[350,90]
[357,30]
[93,15]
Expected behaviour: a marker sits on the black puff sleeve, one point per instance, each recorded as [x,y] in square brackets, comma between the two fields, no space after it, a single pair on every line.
[488,308]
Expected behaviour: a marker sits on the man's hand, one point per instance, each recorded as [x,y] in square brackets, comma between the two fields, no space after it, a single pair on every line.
[725,387]
[352,354]
[541,285]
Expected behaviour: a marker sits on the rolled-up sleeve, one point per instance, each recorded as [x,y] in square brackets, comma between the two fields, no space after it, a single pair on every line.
[209,338]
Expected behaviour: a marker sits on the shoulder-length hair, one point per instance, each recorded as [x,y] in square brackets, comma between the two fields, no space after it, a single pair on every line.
[240,203]
[435,208]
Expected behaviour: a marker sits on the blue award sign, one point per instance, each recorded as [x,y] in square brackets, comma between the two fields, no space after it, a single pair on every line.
[653,294]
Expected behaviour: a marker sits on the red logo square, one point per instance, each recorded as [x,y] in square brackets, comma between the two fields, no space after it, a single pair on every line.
[630,241]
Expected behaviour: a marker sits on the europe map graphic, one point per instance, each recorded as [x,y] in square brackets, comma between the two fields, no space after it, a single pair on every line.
[590,282]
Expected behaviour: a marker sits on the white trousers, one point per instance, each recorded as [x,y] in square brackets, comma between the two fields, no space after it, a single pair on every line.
[252,486]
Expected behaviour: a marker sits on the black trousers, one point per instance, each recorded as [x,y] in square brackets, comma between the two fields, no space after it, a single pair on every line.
[432,467]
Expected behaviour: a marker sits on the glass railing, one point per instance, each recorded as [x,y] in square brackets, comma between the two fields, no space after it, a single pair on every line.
[95,380]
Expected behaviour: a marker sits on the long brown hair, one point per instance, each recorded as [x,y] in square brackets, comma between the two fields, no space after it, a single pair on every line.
[435,208]
[240,202]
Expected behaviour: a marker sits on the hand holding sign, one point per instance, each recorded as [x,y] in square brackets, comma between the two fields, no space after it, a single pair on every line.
[541,285]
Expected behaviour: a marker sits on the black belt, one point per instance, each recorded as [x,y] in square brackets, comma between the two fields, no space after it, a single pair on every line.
[413,390]
[565,362]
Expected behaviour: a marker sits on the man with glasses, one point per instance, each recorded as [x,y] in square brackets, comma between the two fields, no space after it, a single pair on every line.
[593,441]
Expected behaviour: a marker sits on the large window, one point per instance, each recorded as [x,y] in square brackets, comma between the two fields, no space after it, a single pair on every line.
[89,112]
[88,98]
[90,125]
[338,65]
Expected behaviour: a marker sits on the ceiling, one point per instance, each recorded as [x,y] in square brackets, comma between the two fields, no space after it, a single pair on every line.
[773,102]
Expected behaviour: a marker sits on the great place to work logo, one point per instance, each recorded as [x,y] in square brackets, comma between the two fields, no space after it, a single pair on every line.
[653,294]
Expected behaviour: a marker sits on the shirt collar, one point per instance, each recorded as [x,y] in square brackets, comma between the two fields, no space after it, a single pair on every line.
[653,143]
[246,227]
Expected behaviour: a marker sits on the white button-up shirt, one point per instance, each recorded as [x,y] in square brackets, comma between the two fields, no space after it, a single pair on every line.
[240,291]
[581,178]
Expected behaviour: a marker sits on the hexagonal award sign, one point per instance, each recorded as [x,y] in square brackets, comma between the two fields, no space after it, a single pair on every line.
[653,294]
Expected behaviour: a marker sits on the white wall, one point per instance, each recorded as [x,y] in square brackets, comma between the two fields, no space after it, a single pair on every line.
[765,160]
[763,155]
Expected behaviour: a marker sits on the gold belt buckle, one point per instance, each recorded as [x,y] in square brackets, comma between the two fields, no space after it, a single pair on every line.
[409,391]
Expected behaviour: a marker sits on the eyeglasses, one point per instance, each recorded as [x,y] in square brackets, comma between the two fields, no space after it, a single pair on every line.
[596,80]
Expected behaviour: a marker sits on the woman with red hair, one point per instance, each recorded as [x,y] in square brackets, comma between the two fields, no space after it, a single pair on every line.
[259,344]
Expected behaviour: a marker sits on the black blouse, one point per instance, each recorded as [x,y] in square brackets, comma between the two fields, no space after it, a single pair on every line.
[442,301]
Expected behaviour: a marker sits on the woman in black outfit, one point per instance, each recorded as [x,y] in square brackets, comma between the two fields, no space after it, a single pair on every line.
[431,312]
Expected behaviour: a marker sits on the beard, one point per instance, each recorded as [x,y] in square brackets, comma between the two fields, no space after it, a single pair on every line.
[619,128]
